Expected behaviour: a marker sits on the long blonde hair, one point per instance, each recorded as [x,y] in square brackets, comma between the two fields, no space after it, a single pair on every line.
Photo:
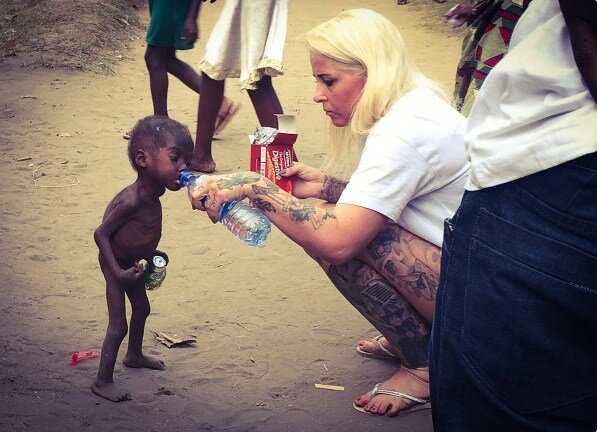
[364,43]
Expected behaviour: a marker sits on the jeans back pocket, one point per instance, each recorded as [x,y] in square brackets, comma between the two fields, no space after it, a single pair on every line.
[530,317]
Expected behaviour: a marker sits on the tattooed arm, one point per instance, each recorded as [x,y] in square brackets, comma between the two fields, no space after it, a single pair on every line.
[334,233]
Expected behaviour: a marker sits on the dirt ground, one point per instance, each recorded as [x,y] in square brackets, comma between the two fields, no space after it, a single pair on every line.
[267,322]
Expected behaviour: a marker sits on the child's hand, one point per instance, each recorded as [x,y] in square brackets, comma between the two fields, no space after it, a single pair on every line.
[131,274]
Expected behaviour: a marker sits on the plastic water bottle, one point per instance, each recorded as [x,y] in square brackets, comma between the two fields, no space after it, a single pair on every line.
[242,220]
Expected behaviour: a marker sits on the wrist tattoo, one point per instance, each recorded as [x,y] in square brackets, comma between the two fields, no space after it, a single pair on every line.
[332,189]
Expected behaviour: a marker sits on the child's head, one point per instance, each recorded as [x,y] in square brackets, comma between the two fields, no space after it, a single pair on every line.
[161,147]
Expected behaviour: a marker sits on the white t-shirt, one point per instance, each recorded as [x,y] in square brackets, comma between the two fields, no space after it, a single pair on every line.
[413,167]
[533,111]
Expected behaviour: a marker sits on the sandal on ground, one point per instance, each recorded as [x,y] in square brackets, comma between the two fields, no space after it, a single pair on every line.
[421,404]
[224,117]
[387,354]
[127,135]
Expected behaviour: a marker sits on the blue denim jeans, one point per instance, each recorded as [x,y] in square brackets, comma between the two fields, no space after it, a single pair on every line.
[514,339]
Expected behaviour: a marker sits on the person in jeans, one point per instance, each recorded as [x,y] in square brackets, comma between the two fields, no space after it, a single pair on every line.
[513,340]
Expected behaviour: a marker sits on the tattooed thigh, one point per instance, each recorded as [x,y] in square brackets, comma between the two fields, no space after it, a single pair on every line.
[408,262]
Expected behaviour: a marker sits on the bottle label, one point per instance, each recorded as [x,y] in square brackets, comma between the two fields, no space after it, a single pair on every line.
[155,273]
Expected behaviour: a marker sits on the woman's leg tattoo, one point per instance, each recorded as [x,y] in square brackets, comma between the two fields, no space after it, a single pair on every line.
[384,307]
[409,263]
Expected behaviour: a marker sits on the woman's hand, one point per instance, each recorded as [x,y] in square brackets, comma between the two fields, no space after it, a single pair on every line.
[219,189]
[307,181]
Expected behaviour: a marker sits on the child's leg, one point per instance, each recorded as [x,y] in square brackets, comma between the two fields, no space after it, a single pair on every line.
[209,103]
[266,102]
[104,383]
[139,312]
[155,59]
[183,71]
[187,75]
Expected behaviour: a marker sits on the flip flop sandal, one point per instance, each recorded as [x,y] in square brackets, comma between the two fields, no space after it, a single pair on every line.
[224,118]
[421,404]
[387,355]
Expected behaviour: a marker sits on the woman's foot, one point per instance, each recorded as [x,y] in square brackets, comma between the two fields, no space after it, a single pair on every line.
[110,391]
[378,347]
[143,361]
[409,382]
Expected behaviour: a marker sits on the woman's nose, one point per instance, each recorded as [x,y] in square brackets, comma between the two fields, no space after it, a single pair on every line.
[318,97]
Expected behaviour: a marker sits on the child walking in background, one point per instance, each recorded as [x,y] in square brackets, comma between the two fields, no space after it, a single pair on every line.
[247,43]
[159,148]
[173,26]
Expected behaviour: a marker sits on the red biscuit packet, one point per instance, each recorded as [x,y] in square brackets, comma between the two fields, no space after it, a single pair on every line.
[272,150]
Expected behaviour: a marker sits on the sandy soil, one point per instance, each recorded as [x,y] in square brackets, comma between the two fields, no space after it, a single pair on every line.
[268,323]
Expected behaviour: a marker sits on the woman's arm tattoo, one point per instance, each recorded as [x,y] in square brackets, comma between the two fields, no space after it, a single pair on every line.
[332,189]
[236,179]
[297,210]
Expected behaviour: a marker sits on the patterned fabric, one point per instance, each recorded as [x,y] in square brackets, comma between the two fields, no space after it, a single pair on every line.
[487,38]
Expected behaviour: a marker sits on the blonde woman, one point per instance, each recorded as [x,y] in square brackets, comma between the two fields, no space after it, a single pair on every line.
[377,236]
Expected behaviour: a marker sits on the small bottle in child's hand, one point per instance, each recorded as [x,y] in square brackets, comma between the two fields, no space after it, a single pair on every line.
[155,272]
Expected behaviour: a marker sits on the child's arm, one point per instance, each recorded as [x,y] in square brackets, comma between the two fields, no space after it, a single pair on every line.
[191,29]
[120,213]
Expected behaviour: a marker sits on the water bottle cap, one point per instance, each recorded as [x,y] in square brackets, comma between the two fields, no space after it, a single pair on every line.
[185,177]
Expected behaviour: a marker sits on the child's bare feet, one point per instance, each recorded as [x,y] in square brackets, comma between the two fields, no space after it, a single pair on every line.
[206,166]
[411,382]
[143,362]
[110,391]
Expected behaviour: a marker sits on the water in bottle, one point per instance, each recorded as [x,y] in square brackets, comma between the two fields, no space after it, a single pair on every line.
[242,220]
